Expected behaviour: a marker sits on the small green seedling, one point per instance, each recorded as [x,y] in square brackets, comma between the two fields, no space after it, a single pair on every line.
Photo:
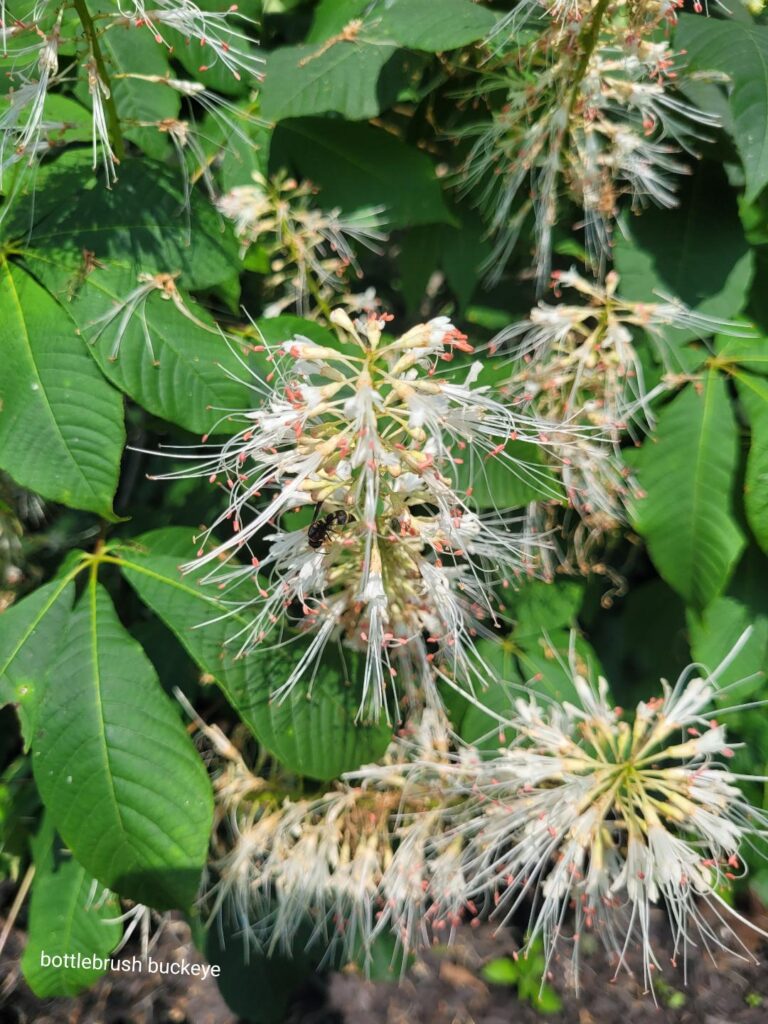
[525,974]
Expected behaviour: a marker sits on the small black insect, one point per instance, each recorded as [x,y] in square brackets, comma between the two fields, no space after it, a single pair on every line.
[321,529]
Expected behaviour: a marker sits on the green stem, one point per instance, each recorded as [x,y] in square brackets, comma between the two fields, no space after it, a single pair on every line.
[587,42]
[109,101]
[314,288]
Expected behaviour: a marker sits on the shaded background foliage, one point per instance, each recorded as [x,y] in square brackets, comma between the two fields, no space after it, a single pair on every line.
[97,626]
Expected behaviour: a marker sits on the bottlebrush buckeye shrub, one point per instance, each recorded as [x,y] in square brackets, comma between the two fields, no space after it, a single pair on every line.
[373,384]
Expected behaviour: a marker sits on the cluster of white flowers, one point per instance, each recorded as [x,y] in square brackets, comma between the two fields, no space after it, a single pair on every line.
[586,818]
[592,106]
[396,563]
[598,819]
[214,31]
[342,867]
[309,249]
[581,361]
[23,128]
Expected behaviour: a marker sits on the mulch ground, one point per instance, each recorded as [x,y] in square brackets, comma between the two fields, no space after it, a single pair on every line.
[448,989]
[441,988]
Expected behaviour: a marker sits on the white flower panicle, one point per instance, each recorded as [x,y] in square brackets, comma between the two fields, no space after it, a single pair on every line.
[591,821]
[311,250]
[586,822]
[396,563]
[215,32]
[23,128]
[340,868]
[191,140]
[593,109]
[582,360]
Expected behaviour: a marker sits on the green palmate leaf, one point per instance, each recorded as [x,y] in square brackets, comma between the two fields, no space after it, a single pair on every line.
[713,635]
[68,917]
[61,430]
[740,49]
[687,473]
[709,267]
[143,220]
[357,166]
[318,79]
[312,733]
[539,608]
[753,392]
[187,373]
[410,23]
[115,766]
[750,352]
[30,632]
[459,251]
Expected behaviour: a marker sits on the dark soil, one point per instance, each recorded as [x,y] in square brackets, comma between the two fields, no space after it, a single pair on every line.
[441,988]
[118,998]
[448,989]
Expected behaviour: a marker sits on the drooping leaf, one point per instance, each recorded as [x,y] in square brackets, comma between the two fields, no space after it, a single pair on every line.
[61,428]
[544,663]
[740,49]
[115,766]
[68,918]
[485,729]
[537,667]
[30,632]
[186,374]
[493,482]
[532,660]
[459,251]
[686,471]
[330,16]
[312,733]
[357,166]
